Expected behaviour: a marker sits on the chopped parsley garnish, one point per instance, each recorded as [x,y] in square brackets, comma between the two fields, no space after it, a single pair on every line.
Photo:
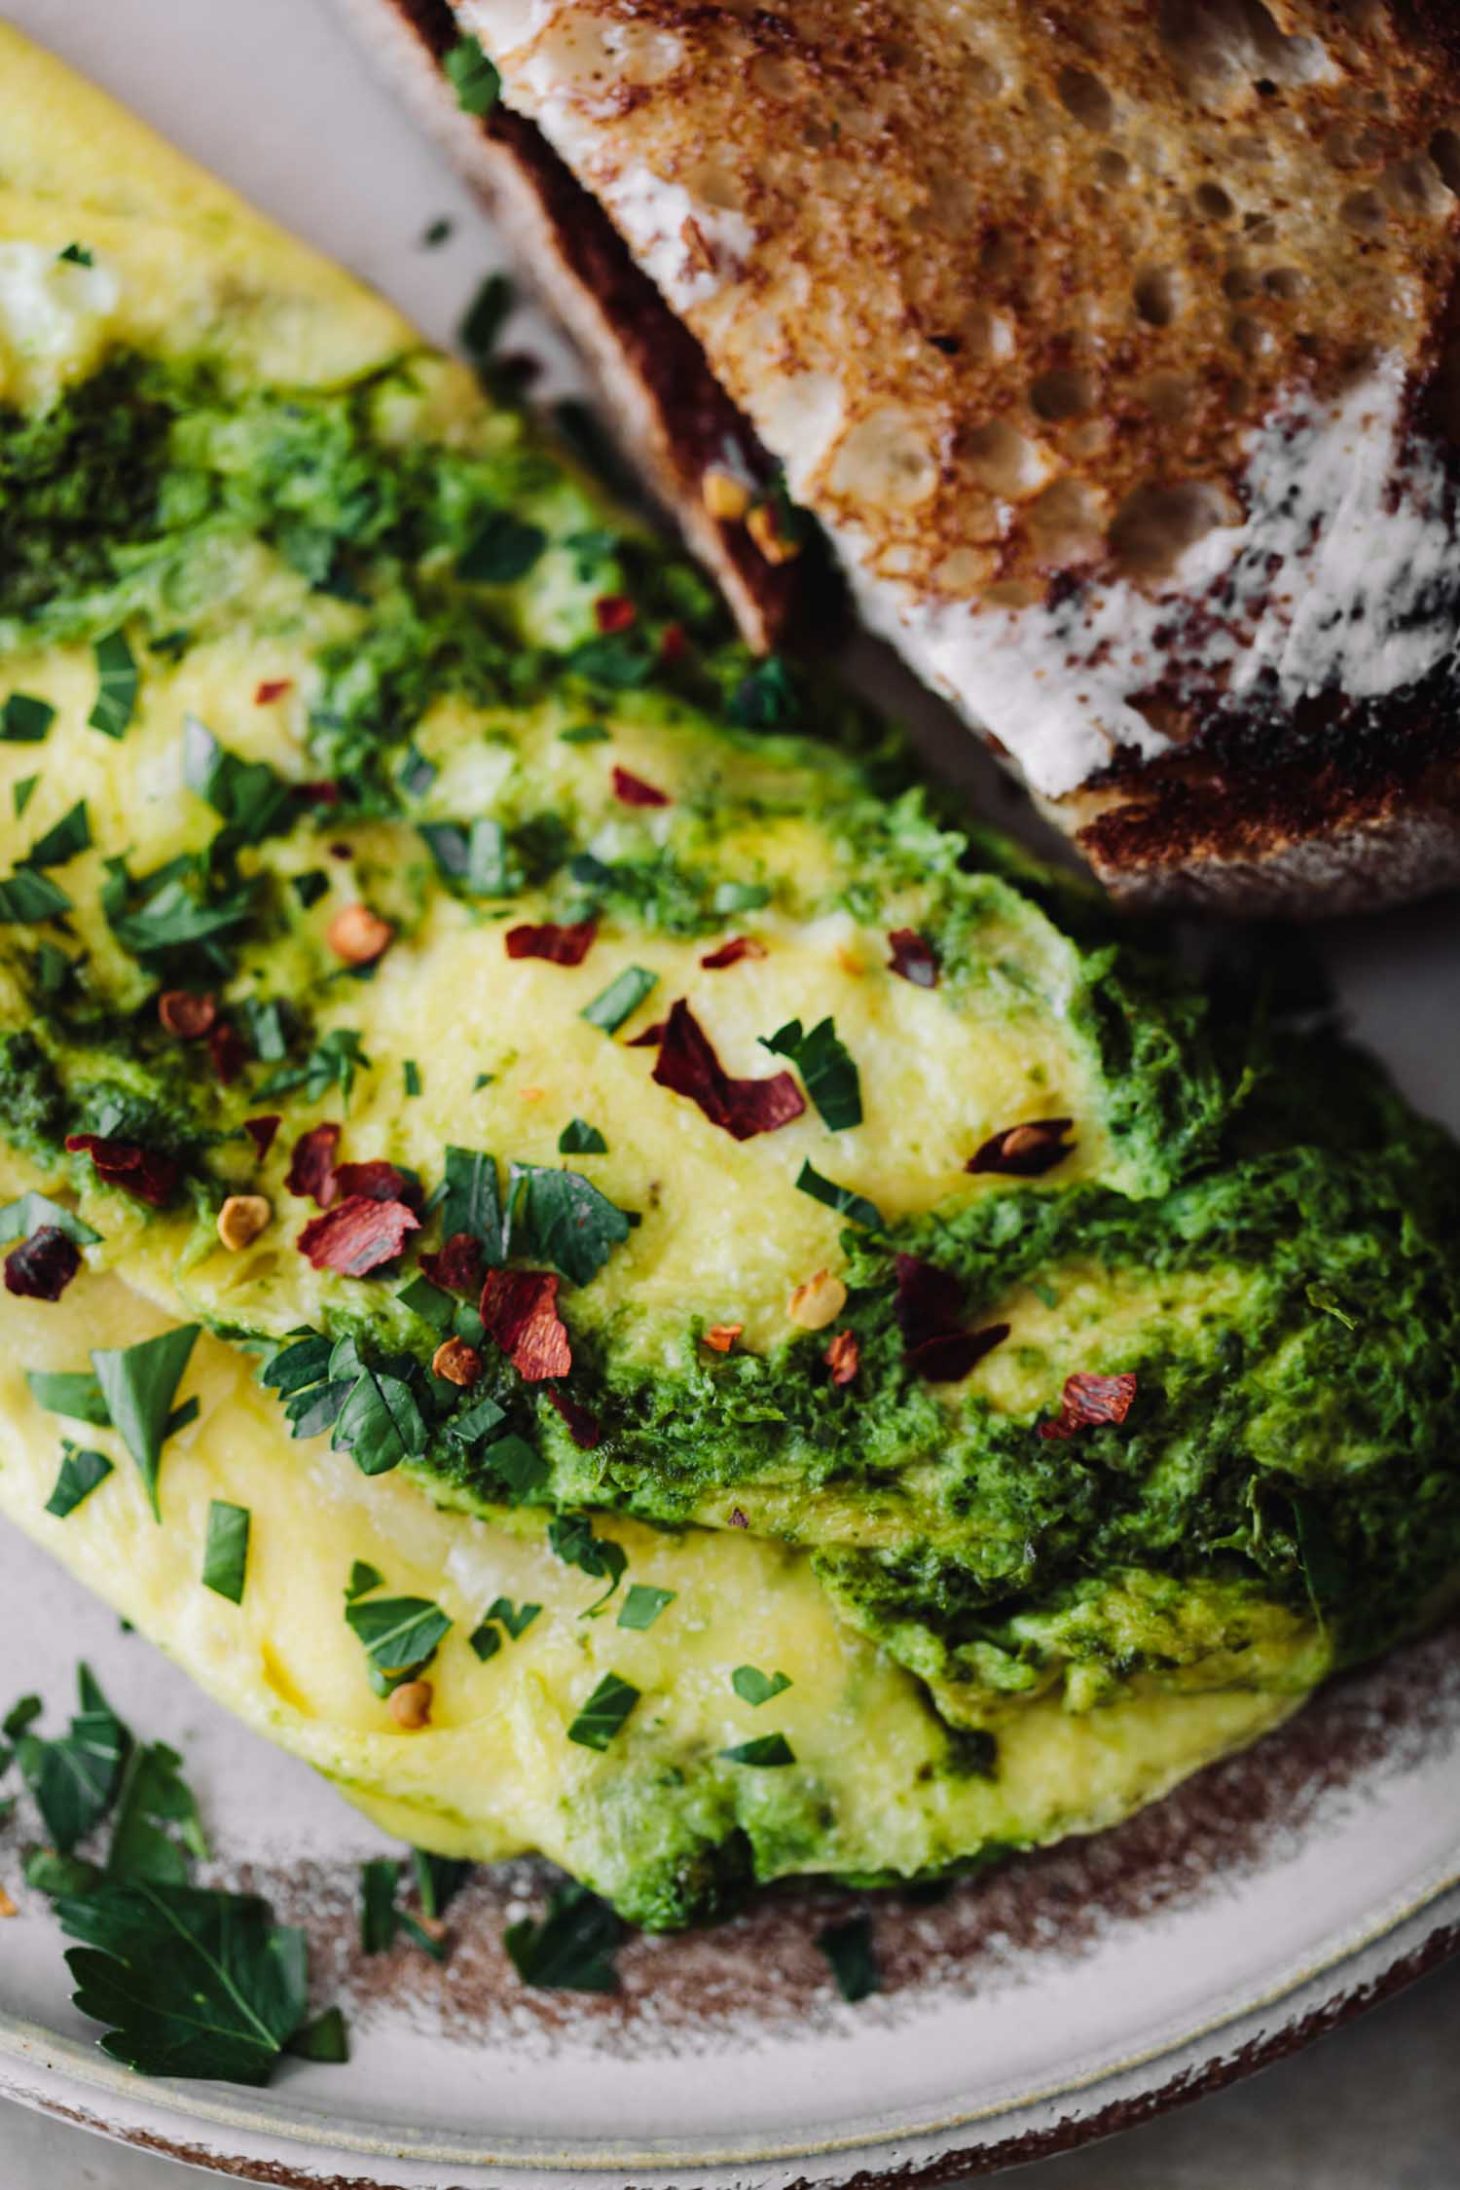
[25,719]
[826,1066]
[333,1062]
[76,254]
[471,1200]
[410,1073]
[379,1423]
[848,1948]
[155,1796]
[400,1635]
[172,909]
[571,1539]
[363,1578]
[484,316]
[75,1393]
[516,1621]
[117,681]
[604,1712]
[310,886]
[571,1948]
[438,232]
[472,76]
[382,1920]
[584,733]
[478,858]
[138,1384]
[643,1605]
[74,1778]
[620,1000]
[63,840]
[26,897]
[82,1472]
[263,1022]
[840,1198]
[767,1751]
[18,1219]
[560,1218]
[252,800]
[22,791]
[439,1879]
[225,1555]
[579,1138]
[755,1688]
[736,897]
[484,1641]
[325,2040]
[500,550]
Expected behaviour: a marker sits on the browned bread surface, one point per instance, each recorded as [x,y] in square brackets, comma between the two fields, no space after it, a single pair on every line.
[1115,347]
[675,420]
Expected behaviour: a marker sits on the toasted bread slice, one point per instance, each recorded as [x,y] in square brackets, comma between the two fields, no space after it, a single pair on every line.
[1115,349]
[678,426]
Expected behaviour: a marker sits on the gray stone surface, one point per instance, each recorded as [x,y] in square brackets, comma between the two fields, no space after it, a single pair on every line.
[1374,2107]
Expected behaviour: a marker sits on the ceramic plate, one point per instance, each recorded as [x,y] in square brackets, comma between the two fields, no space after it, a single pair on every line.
[1043,2004]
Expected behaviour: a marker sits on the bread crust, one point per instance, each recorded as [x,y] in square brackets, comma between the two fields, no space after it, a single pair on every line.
[674,420]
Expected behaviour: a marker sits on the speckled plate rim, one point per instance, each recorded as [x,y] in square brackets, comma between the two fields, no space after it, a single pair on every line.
[283,2146]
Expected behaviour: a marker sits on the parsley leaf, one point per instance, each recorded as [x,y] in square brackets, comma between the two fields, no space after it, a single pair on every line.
[26,897]
[75,1393]
[189,1982]
[22,791]
[253,801]
[326,2039]
[63,840]
[841,1198]
[571,1539]
[620,1000]
[755,1688]
[478,858]
[439,1879]
[138,1384]
[74,1778]
[82,1472]
[154,1796]
[501,549]
[471,1201]
[643,1605]
[378,1881]
[410,1074]
[24,719]
[848,1948]
[826,1065]
[472,76]
[584,733]
[516,1621]
[767,1751]
[401,1635]
[571,1949]
[579,1138]
[379,1423]
[171,909]
[333,1062]
[117,681]
[484,1642]
[18,1219]
[225,1554]
[560,1218]
[363,1578]
[604,1712]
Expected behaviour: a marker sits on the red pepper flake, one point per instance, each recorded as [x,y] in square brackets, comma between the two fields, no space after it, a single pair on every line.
[561,945]
[228,1052]
[584,1427]
[457,1267]
[519,1309]
[41,1267]
[323,793]
[731,953]
[737,1518]
[614,612]
[721,1337]
[673,644]
[1025,1151]
[272,688]
[357,1235]
[140,1171]
[913,958]
[687,1065]
[650,1038]
[632,790]
[261,1132]
[376,1181]
[1088,1400]
[312,1165]
[929,1312]
[843,1357]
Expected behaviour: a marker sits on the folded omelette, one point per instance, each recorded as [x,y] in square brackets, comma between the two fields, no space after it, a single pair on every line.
[575,1249]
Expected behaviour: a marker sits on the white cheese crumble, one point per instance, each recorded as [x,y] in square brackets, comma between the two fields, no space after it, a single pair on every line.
[55,317]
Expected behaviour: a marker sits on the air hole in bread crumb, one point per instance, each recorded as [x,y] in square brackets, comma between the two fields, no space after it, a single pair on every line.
[1445,152]
[1156,296]
[1112,167]
[1363,211]
[1168,397]
[1085,98]
[1064,392]
[883,459]
[1155,526]
[1212,202]
[1002,460]
[1064,521]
